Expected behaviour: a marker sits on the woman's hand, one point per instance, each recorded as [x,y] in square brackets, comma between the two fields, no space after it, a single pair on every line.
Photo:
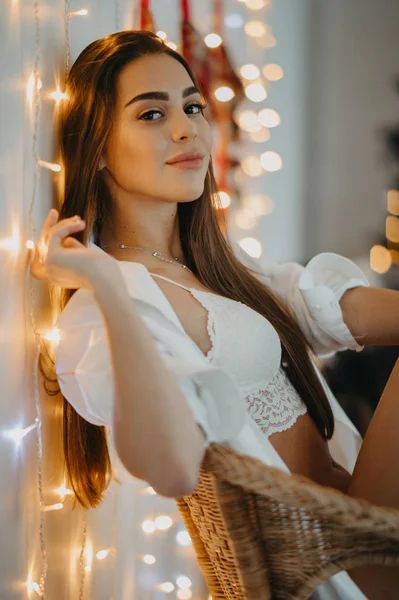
[62,260]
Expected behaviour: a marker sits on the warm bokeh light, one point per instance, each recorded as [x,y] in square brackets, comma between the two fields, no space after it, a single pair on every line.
[251,246]
[149,559]
[249,71]
[248,121]
[48,165]
[252,166]
[380,259]
[162,35]
[393,202]
[183,538]
[268,117]
[171,45]
[273,72]
[58,95]
[258,4]
[255,29]
[245,219]
[166,587]
[163,522]
[255,92]
[225,199]
[213,40]
[88,555]
[263,135]
[78,13]
[271,161]
[184,594]
[392,229]
[258,204]
[148,526]
[101,554]
[52,336]
[267,41]
[30,245]
[224,93]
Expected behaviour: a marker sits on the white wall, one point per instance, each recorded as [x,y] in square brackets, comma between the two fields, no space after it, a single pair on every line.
[353,57]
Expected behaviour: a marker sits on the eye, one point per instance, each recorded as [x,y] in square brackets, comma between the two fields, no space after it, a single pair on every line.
[147,116]
[199,108]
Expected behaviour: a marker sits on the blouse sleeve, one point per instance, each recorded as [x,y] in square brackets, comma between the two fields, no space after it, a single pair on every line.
[85,374]
[313,294]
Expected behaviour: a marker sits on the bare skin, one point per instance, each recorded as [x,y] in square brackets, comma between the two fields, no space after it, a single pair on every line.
[146,189]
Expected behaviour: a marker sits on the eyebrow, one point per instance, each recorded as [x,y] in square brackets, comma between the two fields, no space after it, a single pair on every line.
[162,95]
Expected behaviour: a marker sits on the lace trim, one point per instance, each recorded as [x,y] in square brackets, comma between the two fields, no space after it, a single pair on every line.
[276,407]
[211,324]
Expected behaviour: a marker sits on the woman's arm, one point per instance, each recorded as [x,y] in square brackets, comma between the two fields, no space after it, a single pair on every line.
[155,434]
[372,315]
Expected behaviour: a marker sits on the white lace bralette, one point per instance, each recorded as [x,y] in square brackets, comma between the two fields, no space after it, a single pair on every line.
[247,346]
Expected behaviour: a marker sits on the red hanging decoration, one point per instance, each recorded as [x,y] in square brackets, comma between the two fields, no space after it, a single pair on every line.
[146,20]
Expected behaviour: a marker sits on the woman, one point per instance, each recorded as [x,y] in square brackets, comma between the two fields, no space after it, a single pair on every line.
[212,348]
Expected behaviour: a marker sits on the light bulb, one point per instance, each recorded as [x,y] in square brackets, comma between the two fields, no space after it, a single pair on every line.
[249,71]
[162,35]
[380,259]
[255,92]
[268,117]
[233,20]
[271,161]
[255,29]
[213,40]
[252,166]
[49,165]
[224,93]
[273,72]
[251,246]
[172,45]
[58,95]
[248,121]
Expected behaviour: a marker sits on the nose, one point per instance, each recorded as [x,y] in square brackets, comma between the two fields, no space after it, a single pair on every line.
[183,128]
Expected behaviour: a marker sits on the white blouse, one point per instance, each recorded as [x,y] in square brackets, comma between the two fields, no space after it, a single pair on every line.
[238,393]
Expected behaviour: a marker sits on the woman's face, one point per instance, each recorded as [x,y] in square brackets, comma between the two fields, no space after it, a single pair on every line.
[158,117]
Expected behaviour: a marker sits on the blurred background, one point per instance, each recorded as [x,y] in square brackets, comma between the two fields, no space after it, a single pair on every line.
[304,105]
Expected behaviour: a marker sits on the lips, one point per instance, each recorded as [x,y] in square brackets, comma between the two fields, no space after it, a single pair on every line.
[187,157]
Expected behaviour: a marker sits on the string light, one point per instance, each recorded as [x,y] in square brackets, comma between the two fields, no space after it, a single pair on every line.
[380,259]
[273,72]
[183,538]
[248,121]
[213,40]
[252,166]
[250,71]
[271,161]
[162,35]
[263,135]
[393,202]
[78,13]
[149,559]
[255,92]
[166,587]
[392,229]
[268,117]
[18,433]
[172,45]
[58,95]
[224,93]
[36,100]
[251,246]
[255,29]
[258,204]
[51,507]
[245,219]
[257,4]
[48,165]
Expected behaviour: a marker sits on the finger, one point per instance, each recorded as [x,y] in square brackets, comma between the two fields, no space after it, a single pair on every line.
[66,227]
[71,242]
[49,222]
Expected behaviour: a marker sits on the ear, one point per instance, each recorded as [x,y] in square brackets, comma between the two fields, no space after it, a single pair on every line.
[101,164]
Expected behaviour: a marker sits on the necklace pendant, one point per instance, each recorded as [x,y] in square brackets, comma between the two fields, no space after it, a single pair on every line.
[155,253]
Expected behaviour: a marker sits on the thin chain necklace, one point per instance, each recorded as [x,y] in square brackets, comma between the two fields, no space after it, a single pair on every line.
[153,253]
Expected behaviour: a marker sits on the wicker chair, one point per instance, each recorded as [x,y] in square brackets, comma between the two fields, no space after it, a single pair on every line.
[260,533]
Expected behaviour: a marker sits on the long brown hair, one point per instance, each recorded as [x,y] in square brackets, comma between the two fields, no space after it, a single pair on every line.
[85,126]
